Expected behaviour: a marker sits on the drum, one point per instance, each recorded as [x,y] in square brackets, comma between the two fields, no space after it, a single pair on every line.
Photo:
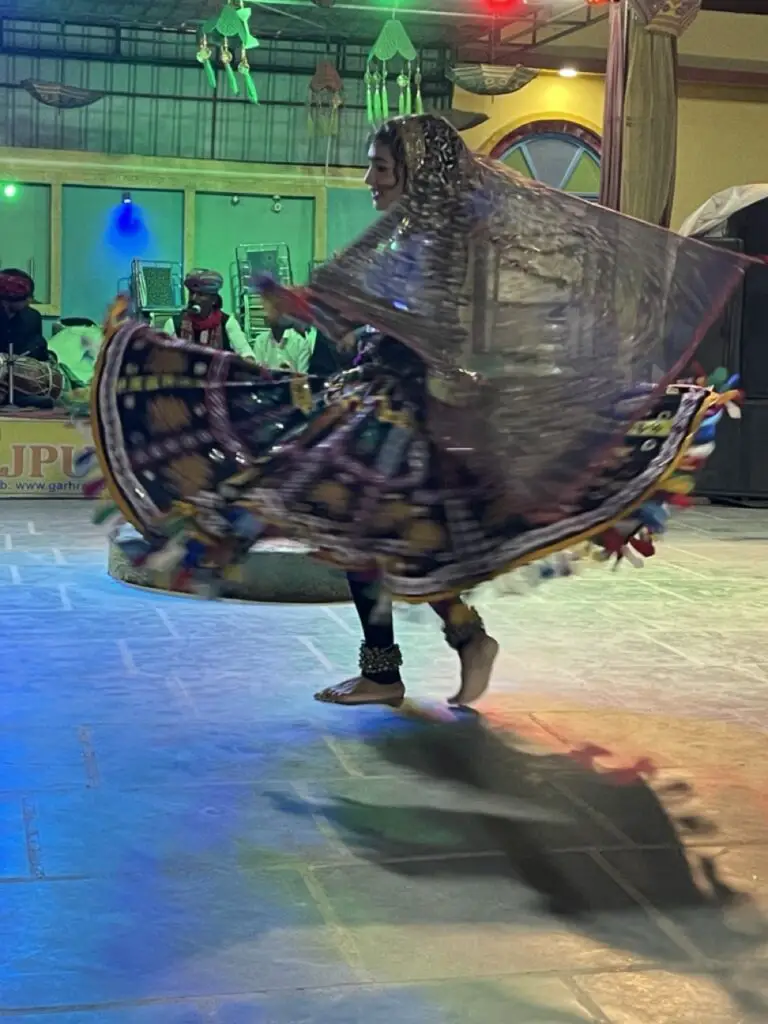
[31,379]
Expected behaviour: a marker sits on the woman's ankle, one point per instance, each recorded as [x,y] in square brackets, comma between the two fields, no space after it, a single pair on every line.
[381,665]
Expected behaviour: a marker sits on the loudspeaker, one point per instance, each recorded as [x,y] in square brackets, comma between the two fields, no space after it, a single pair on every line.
[721,345]
[738,468]
[751,226]
[754,333]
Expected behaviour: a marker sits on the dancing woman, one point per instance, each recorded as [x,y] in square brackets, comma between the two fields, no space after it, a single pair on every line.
[495,416]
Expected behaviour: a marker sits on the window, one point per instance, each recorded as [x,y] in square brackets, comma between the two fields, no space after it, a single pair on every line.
[557,153]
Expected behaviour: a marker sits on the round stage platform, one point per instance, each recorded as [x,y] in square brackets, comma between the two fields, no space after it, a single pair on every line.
[274,572]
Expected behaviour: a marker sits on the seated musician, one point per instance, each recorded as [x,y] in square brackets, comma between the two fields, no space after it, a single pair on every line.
[204,321]
[21,326]
[291,345]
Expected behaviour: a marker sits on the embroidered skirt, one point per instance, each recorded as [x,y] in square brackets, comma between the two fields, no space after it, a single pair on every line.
[198,446]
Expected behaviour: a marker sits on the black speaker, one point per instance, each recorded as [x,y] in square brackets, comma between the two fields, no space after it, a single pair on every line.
[738,469]
[750,225]
[721,345]
[754,333]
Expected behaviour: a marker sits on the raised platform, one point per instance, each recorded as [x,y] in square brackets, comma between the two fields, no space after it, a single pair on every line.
[37,455]
[275,572]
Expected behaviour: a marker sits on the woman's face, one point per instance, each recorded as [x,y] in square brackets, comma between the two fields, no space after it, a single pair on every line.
[383,177]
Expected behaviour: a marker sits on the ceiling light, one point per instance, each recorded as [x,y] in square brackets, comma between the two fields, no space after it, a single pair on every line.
[568,72]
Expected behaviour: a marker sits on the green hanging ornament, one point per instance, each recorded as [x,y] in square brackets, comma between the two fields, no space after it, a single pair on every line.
[245,70]
[392,42]
[226,60]
[383,91]
[378,113]
[228,23]
[404,96]
[368,79]
[244,14]
[419,103]
[232,22]
[203,56]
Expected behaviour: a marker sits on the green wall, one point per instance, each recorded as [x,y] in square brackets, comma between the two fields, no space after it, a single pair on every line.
[350,212]
[100,237]
[25,234]
[220,227]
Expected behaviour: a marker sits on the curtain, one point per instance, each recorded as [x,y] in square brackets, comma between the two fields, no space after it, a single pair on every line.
[613,111]
[649,148]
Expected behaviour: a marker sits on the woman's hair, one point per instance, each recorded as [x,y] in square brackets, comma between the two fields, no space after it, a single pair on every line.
[390,135]
[425,147]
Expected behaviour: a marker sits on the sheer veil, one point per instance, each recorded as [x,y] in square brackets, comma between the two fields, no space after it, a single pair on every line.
[548,324]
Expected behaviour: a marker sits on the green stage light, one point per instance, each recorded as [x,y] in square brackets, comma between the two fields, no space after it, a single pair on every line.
[9,191]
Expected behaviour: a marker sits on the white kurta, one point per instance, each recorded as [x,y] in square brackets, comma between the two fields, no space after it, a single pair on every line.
[292,352]
[234,332]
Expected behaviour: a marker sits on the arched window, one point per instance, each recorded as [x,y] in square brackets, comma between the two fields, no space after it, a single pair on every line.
[558,153]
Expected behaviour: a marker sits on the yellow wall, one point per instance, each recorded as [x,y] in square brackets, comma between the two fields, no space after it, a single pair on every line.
[722,141]
[722,133]
[546,97]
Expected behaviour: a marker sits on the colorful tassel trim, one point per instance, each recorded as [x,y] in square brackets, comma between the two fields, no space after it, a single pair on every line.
[632,541]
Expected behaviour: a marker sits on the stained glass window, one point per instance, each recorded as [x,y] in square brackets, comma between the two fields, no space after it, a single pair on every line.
[557,153]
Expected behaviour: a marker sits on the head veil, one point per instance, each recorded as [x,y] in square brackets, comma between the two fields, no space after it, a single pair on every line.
[541,317]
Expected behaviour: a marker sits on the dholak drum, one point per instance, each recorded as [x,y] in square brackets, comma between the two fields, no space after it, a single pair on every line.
[31,379]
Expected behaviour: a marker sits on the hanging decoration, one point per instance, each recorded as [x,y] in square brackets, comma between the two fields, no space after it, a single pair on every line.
[63,97]
[231,23]
[491,79]
[666,17]
[325,99]
[393,41]
[245,70]
[225,56]
[204,57]
[462,120]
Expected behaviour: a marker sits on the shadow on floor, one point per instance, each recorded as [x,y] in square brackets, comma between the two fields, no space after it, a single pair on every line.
[591,845]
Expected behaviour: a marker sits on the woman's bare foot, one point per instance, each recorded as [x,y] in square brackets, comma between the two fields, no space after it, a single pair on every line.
[477,657]
[363,691]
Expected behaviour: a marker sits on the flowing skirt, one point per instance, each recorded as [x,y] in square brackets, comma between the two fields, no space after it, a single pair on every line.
[202,454]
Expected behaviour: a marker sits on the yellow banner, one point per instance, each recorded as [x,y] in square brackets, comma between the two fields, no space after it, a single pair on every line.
[37,458]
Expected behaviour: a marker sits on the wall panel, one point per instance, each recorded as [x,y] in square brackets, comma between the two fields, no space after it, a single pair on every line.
[221,227]
[25,235]
[350,212]
[99,242]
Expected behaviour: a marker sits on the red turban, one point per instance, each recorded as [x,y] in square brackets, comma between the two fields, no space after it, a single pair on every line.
[207,282]
[15,287]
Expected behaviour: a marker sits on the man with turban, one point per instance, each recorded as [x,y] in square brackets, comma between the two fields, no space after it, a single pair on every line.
[203,321]
[21,327]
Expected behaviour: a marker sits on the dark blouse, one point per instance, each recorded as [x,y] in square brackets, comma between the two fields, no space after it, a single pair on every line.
[23,330]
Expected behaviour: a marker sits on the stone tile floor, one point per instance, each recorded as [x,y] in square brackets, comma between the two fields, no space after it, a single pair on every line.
[186,837]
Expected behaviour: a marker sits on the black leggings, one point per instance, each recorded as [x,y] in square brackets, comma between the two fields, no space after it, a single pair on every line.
[379,630]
